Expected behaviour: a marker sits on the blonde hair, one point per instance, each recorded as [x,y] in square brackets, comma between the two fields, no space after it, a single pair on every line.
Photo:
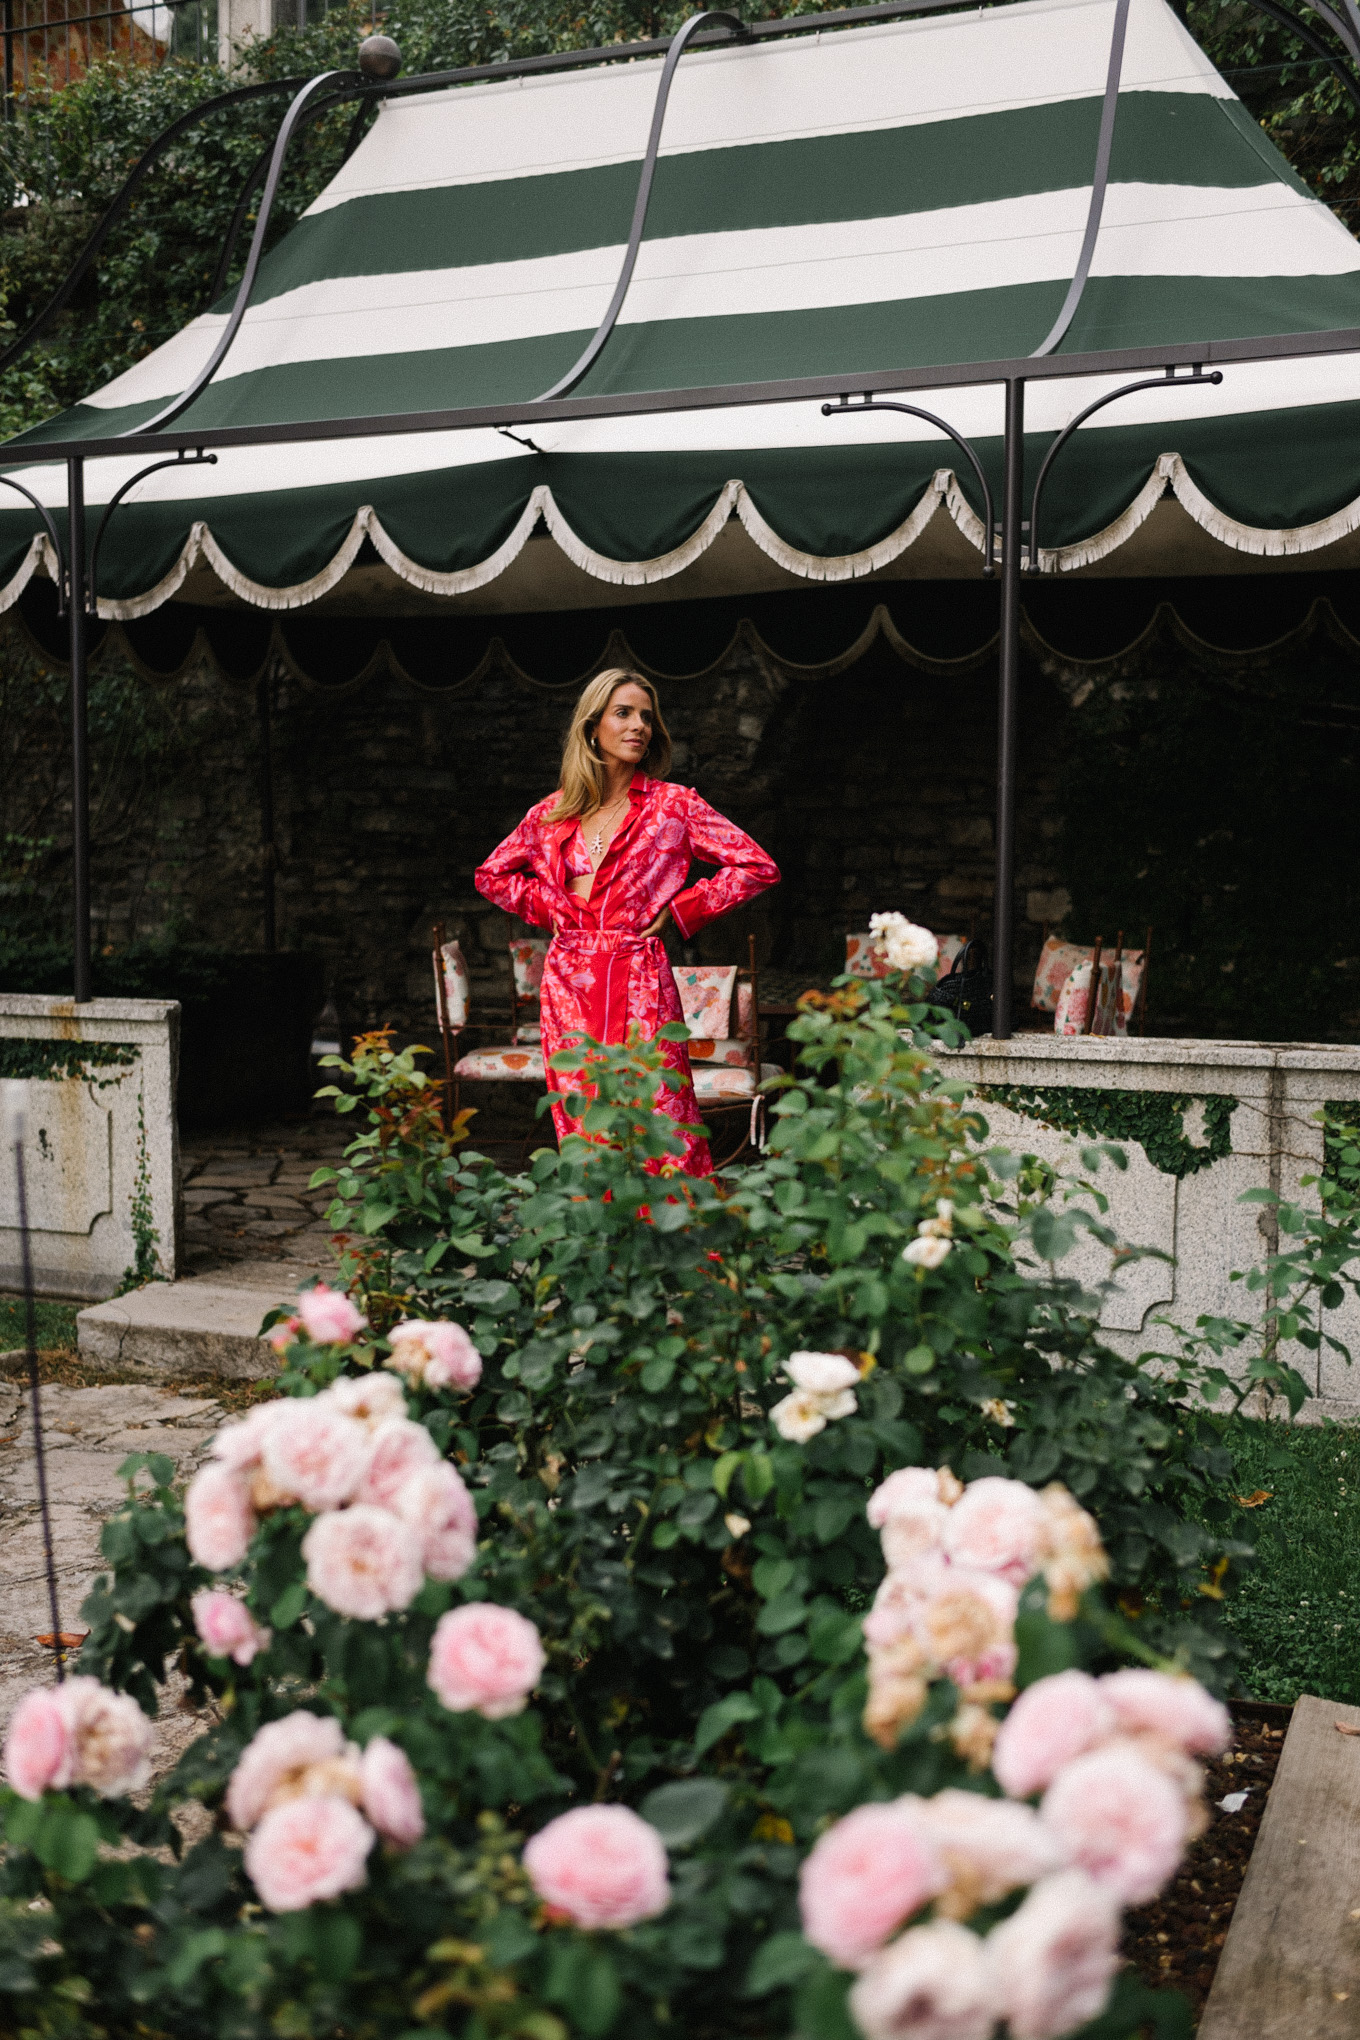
[583,780]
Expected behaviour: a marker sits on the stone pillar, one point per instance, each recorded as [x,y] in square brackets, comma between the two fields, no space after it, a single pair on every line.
[102,1151]
[240,20]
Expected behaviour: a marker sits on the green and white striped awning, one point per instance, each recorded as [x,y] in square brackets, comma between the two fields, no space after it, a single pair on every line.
[877,198]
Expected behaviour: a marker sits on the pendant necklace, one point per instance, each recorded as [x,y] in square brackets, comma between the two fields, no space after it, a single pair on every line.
[597,840]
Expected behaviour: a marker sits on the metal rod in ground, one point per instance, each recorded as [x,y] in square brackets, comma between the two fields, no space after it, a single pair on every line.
[16,1118]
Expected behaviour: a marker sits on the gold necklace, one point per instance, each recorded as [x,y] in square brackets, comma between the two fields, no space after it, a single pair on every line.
[596,842]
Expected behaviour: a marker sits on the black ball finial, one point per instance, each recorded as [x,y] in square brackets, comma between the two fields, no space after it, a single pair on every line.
[379,57]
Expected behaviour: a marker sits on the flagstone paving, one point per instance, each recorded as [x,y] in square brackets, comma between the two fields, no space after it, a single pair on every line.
[88,1433]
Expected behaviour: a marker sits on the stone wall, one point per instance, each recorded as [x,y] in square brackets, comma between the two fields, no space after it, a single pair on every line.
[872,790]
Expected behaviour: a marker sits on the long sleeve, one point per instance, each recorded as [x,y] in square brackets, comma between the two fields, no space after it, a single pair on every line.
[512,876]
[744,869]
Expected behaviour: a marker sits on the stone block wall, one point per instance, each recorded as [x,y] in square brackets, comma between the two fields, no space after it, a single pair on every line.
[873,790]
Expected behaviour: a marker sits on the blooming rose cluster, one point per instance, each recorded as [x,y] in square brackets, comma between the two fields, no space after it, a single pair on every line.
[823,1389]
[429,1355]
[389,1511]
[934,1238]
[312,1805]
[1114,1761]
[905,946]
[957,1559]
[78,1733]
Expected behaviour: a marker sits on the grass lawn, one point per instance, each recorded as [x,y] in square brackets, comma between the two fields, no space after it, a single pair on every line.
[56,1324]
[1298,1609]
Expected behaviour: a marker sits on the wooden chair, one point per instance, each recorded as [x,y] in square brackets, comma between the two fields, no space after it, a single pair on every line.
[1121,980]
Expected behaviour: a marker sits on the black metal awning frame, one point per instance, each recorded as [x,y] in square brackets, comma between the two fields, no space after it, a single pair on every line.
[1017,535]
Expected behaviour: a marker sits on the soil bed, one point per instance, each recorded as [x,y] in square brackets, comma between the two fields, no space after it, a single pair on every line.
[1176,1941]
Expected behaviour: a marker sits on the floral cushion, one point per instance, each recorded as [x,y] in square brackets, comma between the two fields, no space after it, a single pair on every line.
[526,961]
[706,999]
[529,1030]
[1057,961]
[735,1054]
[502,1065]
[457,985]
[745,994]
[1075,998]
[715,1084]
[864,955]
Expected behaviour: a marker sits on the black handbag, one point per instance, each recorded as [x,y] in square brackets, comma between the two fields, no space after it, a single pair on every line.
[966,990]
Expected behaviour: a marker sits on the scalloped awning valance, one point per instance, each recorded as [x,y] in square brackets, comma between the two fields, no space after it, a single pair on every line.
[876,198]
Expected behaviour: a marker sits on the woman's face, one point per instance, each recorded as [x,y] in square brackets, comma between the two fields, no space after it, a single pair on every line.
[624,731]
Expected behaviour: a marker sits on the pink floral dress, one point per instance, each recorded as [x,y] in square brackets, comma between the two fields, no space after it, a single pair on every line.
[602,976]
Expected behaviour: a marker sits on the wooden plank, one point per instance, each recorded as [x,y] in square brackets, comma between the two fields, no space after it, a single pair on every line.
[1290,1968]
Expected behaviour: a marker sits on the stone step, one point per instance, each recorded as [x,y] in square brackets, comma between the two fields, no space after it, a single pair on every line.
[1290,1968]
[181,1330]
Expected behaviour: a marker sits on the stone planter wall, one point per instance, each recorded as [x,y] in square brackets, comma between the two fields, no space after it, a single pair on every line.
[102,1150]
[1273,1141]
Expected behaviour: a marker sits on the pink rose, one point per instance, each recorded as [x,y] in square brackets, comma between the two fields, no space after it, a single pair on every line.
[934,1983]
[240,1445]
[905,1492]
[967,1624]
[989,1846]
[1177,1710]
[274,1764]
[435,1355]
[363,1562]
[601,1865]
[227,1628]
[283,1334]
[1055,1958]
[900,1598]
[39,1748]
[218,1519]
[1119,1818]
[306,1850]
[866,1875]
[369,1398]
[486,1659]
[998,1526]
[391,1796]
[439,1508]
[316,1454]
[328,1317]
[398,1449]
[1053,1721]
[111,1738]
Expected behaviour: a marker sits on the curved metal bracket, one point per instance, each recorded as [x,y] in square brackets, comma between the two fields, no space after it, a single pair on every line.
[255,177]
[8,482]
[180,459]
[1169,381]
[845,409]
[606,326]
[1099,183]
[64,292]
[287,129]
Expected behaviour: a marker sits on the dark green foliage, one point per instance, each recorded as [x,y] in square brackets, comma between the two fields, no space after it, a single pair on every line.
[1155,1119]
[54,1061]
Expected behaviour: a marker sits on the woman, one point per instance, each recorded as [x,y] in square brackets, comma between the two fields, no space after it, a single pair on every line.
[603,863]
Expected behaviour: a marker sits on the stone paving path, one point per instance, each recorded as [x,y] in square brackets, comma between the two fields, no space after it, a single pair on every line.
[88,1432]
[246,1196]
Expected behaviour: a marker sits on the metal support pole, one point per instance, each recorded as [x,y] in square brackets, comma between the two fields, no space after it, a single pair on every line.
[80,733]
[1012,541]
[15,1116]
[269,854]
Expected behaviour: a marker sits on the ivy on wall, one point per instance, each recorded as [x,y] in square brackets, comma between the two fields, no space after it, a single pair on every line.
[1155,1119]
[51,1062]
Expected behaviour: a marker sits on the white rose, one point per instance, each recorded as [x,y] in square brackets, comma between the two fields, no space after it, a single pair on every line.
[821,1373]
[926,1252]
[906,946]
[799,1417]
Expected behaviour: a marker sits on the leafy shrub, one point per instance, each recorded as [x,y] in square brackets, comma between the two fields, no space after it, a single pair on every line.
[675,1500]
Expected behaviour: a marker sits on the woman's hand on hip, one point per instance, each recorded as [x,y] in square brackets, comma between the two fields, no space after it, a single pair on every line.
[659,923]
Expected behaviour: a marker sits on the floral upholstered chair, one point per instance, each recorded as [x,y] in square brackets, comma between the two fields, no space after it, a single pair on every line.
[864,955]
[1062,986]
[721,1006]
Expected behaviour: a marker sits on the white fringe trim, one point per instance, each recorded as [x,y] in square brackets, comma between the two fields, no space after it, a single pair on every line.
[732,499]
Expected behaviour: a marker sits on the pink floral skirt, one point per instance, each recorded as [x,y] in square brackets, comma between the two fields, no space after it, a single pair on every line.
[602,983]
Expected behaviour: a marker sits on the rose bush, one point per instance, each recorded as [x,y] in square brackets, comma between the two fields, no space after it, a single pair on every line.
[562,1680]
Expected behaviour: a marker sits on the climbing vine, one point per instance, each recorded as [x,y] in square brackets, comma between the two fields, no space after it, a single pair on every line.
[145,1265]
[51,1062]
[1155,1119]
